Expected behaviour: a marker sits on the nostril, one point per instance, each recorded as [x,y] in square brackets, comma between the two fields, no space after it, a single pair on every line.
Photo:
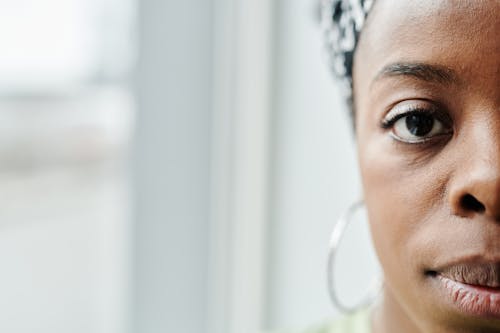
[470,203]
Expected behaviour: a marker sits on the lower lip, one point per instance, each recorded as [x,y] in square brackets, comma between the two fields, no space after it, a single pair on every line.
[472,300]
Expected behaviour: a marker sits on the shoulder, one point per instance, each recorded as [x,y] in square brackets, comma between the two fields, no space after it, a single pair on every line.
[358,322]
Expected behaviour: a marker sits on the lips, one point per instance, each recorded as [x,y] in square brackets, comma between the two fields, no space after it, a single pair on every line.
[476,274]
[473,288]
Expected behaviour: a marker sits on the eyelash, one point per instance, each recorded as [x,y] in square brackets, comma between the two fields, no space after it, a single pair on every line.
[389,122]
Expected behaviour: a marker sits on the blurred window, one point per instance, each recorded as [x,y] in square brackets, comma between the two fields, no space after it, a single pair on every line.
[59,42]
[66,118]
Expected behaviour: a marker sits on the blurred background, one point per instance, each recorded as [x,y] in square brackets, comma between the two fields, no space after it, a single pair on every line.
[171,166]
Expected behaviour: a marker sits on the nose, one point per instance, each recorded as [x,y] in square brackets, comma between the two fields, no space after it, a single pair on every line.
[475,186]
[479,194]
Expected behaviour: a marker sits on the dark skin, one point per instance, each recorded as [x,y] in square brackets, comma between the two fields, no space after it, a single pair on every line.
[431,183]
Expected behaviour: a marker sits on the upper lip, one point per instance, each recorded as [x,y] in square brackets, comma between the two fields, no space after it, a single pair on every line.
[486,274]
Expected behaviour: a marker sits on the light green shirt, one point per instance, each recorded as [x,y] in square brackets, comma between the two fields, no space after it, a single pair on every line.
[358,322]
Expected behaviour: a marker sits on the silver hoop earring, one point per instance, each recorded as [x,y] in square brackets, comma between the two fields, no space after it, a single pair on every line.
[335,239]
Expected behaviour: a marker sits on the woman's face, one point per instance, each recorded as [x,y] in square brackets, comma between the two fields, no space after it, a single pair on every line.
[427,100]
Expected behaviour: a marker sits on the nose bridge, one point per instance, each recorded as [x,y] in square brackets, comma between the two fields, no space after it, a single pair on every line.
[483,176]
[475,183]
[486,148]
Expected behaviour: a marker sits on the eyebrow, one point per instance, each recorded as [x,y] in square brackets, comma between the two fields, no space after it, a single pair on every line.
[421,71]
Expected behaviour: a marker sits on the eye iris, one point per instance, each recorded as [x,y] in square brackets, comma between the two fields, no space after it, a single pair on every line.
[419,125]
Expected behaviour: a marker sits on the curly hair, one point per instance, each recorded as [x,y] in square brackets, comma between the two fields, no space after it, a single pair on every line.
[342,22]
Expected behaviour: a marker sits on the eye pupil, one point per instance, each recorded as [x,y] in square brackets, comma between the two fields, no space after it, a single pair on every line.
[419,125]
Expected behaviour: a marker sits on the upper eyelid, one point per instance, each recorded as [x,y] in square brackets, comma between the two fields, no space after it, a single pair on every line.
[390,118]
[440,112]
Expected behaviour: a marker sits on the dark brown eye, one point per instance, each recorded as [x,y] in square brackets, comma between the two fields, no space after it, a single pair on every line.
[419,124]
[417,127]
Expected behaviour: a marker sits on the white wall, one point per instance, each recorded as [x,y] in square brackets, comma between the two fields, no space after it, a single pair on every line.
[312,168]
[314,172]
[173,85]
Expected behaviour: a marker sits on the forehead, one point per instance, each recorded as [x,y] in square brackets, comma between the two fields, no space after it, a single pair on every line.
[457,34]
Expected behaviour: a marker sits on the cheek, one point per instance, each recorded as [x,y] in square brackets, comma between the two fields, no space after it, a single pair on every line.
[403,196]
